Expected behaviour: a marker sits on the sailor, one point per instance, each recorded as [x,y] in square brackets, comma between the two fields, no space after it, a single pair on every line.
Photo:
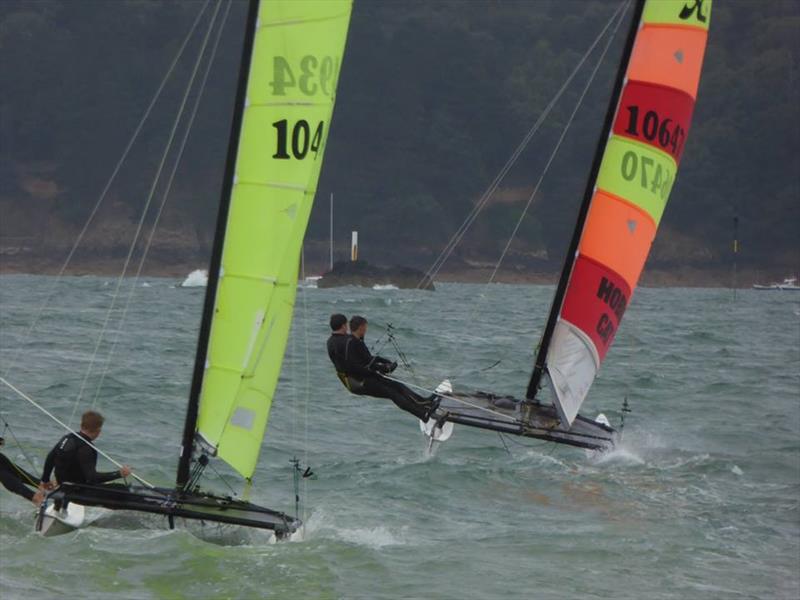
[17,480]
[337,343]
[365,374]
[74,458]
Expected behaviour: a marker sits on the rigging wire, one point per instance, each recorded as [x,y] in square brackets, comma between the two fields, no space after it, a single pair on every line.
[307,386]
[444,255]
[225,481]
[7,427]
[556,148]
[51,291]
[145,210]
[168,188]
[24,396]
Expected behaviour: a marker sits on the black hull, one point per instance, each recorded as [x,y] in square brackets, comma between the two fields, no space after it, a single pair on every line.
[514,417]
[172,504]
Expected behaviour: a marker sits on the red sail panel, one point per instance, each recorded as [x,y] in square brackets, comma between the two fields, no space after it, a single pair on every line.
[655,115]
[595,302]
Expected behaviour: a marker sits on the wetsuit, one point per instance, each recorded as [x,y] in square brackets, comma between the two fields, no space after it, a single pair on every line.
[15,479]
[337,344]
[75,461]
[360,371]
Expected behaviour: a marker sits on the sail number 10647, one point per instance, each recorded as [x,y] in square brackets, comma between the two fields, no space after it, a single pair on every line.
[667,134]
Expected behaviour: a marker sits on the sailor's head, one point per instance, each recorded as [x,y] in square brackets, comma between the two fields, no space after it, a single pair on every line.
[338,323]
[92,424]
[358,326]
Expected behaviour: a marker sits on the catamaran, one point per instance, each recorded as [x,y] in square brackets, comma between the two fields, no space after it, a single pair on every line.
[291,58]
[636,160]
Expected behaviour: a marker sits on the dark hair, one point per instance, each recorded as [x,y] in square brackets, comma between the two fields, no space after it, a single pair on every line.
[356,321]
[337,320]
[92,421]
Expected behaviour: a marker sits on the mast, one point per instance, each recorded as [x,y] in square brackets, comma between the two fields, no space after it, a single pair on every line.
[569,260]
[216,254]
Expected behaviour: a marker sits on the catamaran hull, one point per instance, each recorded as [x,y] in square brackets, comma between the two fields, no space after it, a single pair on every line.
[505,414]
[52,521]
[199,510]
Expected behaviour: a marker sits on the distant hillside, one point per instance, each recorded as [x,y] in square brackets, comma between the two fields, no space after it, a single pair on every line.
[433,98]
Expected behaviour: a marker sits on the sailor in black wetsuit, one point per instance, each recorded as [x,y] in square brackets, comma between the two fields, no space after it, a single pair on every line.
[363,374]
[337,344]
[75,461]
[17,480]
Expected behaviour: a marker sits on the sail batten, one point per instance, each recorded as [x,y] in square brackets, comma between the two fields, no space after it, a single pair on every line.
[638,164]
[296,53]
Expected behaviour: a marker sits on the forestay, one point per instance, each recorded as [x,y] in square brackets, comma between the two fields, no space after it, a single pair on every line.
[628,195]
[297,51]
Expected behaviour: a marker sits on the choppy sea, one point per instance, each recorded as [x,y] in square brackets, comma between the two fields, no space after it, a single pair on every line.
[701,501]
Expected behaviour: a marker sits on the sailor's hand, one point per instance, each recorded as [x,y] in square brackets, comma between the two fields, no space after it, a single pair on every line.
[38,497]
[125,471]
[46,486]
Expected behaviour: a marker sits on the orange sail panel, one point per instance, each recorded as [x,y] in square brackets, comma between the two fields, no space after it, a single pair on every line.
[617,234]
[668,55]
[634,180]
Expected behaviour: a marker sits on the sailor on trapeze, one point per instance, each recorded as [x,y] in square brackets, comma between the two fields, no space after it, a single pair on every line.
[364,374]
[75,460]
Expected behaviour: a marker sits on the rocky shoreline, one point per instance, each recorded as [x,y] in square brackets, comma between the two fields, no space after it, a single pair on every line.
[364,274]
[710,277]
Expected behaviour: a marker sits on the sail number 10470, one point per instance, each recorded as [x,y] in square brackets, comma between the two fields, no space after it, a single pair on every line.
[650,173]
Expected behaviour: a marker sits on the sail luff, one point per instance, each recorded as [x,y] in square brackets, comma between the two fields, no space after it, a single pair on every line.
[569,259]
[192,411]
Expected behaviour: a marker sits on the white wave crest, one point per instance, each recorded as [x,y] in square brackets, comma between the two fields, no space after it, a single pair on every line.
[320,524]
[197,278]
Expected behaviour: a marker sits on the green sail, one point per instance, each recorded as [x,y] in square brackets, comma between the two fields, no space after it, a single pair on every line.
[297,52]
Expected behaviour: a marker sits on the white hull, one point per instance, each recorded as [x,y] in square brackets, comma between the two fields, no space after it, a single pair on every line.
[58,522]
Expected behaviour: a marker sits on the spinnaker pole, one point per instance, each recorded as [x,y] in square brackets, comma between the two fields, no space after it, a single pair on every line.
[190,424]
[569,259]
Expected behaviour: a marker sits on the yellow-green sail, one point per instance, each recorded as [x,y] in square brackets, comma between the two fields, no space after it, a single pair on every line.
[297,52]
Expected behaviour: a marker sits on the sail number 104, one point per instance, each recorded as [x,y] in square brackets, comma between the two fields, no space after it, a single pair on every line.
[300,142]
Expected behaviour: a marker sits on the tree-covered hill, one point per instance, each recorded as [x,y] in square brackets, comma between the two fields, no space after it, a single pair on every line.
[433,99]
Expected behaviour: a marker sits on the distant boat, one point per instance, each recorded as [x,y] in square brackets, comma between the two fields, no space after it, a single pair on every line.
[788,285]
[310,282]
[197,278]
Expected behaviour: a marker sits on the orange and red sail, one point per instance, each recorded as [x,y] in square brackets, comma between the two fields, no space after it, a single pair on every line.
[638,168]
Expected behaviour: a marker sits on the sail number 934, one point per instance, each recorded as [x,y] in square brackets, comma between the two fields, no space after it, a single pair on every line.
[310,75]
[302,140]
